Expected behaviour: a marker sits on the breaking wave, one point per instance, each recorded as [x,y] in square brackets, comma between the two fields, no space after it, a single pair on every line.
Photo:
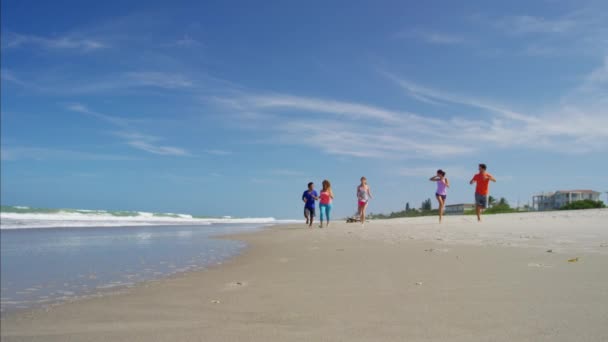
[20,217]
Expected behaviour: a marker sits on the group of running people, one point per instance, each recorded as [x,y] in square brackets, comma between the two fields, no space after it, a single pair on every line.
[325,198]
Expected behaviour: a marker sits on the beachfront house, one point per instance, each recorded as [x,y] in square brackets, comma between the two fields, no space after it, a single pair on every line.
[458,209]
[557,199]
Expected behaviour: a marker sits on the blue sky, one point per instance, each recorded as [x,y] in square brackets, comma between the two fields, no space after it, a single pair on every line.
[230,108]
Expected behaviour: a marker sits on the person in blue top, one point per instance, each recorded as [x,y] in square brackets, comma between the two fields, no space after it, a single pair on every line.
[309,197]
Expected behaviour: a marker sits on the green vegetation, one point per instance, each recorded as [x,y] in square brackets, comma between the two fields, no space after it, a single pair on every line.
[502,207]
[425,210]
[584,204]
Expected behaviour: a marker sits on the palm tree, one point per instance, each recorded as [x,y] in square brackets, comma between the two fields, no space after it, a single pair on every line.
[491,201]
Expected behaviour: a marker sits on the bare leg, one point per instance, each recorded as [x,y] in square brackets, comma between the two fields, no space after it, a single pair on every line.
[478,211]
[362,208]
[441,204]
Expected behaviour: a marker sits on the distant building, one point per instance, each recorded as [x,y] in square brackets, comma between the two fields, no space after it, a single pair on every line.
[556,200]
[458,209]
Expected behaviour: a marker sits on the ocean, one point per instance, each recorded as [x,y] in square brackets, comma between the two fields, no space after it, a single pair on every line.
[49,256]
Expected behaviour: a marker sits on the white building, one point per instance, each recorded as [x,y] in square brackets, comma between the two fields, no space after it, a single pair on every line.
[556,200]
[458,209]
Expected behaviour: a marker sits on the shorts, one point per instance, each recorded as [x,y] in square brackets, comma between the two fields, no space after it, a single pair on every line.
[362,204]
[442,196]
[309,212]
[481,200]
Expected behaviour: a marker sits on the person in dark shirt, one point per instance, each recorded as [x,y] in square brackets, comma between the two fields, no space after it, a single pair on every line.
[309,197]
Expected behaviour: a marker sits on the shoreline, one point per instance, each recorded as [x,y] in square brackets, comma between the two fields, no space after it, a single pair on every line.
[350,283]
[120,283]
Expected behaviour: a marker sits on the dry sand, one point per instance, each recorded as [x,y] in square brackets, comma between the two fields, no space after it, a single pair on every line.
[392,280]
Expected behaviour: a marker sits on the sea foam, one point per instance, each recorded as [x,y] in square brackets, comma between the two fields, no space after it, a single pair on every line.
[20,217]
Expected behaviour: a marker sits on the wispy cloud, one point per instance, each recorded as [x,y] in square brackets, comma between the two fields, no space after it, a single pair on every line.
[367,131]
[523,24]
[157,149]
[11,153]
[286,173]
[349,129]
[433,37]
[452,171]
[340,108]
[157,79]
[9,76]
[80,108]
[16,40]
[434,96]
[571,127]
[218,152]
[58,84]
[144,142]
[187,41]
[582,30]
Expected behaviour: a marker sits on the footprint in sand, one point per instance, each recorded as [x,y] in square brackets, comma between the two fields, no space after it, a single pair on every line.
[235,285]
[284,260]
[534,264]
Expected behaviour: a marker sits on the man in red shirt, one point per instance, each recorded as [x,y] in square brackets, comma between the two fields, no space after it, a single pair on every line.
[481,190]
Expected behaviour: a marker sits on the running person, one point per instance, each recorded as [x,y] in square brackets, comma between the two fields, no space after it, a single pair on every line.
[441,193]
[363,196]
[308,197]
[482,189]
[325,199]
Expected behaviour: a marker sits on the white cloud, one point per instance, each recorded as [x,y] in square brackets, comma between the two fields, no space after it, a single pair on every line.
[580,31]
[56,83]
[523,24]
[157,79]
[573,125]
[433,37]
[345,109]
[11,153]
[368,131]
[187,41]
[157,149]
[147,143]
[15,40]
[9,76]
[80,108]
[436,96]
[452,171]
[347,128]
[286,173]
[218,152]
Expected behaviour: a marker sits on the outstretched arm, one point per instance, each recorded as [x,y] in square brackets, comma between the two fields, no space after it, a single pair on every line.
[447,182]
[369,192]
[434,179]
[492,178]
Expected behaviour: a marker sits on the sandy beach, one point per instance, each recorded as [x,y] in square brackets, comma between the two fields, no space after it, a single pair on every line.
[515,277]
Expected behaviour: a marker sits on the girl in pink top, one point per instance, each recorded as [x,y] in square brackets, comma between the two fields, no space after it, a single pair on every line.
[325,199]
[441,193]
